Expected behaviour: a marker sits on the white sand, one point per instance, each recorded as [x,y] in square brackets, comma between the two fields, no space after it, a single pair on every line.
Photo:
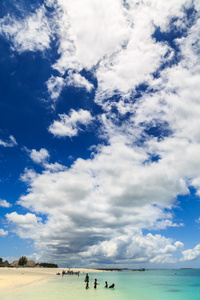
[15,278]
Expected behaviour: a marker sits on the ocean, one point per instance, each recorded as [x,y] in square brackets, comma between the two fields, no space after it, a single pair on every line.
[148,285]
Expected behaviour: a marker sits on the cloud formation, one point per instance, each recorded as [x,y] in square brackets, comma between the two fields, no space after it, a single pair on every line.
[11,143]
[39,156]
[191,254]
[70,125]
[26,221]
[97,201]
[3,232]
[77,80]
[141,249]
[145,59]
[31,33]
[55,86]
[4,203]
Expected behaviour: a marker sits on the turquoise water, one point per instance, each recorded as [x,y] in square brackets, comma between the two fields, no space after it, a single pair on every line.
[148,285]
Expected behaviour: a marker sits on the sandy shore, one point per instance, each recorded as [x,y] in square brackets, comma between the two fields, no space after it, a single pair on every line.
[16,278]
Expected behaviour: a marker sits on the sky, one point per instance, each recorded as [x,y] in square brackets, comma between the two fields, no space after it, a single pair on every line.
[100,132]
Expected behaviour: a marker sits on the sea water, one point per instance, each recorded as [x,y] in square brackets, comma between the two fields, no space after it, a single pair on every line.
[146,285]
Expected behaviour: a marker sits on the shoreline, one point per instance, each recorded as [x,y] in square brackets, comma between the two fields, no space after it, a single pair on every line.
[17,278]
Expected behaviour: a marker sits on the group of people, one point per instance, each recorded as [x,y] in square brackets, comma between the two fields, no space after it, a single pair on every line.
[96,283]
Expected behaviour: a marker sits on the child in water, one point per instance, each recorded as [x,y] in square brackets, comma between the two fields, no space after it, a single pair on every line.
[95,283]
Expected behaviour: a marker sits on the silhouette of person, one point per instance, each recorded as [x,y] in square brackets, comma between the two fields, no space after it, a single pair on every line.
[95,283]
[87,281]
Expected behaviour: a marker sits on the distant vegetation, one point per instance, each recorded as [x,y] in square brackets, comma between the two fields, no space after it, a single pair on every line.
[3,263]
[22,261]
[48,265]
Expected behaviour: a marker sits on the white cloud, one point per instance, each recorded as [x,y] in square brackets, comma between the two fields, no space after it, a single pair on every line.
[98,207]
[120,39]
[3,232]
[4,203]
[85,26]
[28,176]
[56,167]
[191,254]
[10,143]
[137,248]
[55,86]
[76,80]
[39,156]
[161,13]
[190,47]
[112,40]
[25,221]
[196,184]
[32,33]
[50,3]
[70,125]
[102,198]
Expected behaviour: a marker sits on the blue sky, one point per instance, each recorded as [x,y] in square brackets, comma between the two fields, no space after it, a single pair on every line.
[99,132]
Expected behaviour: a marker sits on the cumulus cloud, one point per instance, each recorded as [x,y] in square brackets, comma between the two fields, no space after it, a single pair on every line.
[191,254]
[75,20]
[124,53]
[99,206]
[120,38]
[4,203]
[3,232]
[100,198]
[70,125]
[28,176]
[138,248]
[39,156]
[76,80]
[25,221]
[11,143]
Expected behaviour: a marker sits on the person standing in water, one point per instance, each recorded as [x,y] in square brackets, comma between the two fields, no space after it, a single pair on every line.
[87,281]
[95,283]
[87,285]
[106,284]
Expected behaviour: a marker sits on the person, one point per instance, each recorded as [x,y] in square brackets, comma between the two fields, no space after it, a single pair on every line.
[87,278]
[87,281]
[106,284]
[112,286]
[87,285]
[95,283]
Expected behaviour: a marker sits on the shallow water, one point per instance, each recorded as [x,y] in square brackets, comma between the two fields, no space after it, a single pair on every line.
[148,285]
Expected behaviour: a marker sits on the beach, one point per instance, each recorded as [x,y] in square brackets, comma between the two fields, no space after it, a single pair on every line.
[16,278]
[44,284]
